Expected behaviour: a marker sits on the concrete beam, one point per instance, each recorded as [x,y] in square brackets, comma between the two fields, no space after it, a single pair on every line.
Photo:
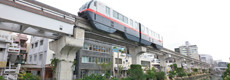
[65,49]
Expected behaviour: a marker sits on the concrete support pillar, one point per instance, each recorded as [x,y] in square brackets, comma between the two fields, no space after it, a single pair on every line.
[189,65]
[65,50]
[178,62]
[135,53]
[162,62]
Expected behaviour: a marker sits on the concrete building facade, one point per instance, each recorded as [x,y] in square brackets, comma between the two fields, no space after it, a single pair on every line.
[10,61]
[21,40]
[206,58]
[39,57]
[5,40]
[90,56]
[188,50]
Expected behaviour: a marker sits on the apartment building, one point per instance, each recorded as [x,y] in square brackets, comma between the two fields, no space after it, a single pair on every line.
[10,61]
[188,50]
[39,58]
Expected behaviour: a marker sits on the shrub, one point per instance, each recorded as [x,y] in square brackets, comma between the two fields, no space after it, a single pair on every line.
[180,72]
[172,74]
[28,76]
[135,72]
[194,69]
[125,79]
[114,78]
[94,77]
[189,74]
[1,78]
[173,66]
[160,75]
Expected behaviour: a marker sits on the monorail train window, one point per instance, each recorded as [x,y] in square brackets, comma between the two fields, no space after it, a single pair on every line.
[121,17]
[147,30]
[107,11]
[125,19]
[142,28]
[131,22]
[115,14]
[152,33]
[95,3]
[136,25]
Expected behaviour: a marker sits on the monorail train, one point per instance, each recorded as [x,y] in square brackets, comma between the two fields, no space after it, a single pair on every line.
[106,19]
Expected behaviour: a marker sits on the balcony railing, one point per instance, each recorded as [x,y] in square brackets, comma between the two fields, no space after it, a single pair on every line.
[13,48]
[156,61]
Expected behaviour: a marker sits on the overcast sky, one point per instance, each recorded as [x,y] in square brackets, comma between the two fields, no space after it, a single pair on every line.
[205,23]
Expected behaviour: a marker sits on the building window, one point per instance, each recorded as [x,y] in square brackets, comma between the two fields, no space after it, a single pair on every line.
[86,46]
[36,44]
[145,63]
[85,60]
[41,42]
[30,58]
[32,46]
[118,61]
[40,56]
[35,57]
[94,47]
[91,47]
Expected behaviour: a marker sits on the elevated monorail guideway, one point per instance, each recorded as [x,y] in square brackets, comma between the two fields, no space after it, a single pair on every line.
[35,18]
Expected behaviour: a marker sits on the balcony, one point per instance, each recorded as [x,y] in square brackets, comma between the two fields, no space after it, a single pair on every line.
[22,37]
[23,48]
[156,61]
[14,48]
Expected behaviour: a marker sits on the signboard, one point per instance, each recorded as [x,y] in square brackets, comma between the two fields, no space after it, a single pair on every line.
[2,64]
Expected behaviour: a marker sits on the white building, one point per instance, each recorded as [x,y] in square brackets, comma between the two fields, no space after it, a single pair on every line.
[39,57]
[9,53]
[189,50]
[206,58]
[121,60]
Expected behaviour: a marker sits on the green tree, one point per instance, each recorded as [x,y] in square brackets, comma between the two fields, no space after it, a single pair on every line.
[151,74]
[119,71]
[227,73]
[135,72]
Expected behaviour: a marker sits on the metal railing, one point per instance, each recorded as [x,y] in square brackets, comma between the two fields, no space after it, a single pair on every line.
[42,8]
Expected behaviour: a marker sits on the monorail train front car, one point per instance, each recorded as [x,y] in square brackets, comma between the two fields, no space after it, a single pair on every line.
[106,19]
